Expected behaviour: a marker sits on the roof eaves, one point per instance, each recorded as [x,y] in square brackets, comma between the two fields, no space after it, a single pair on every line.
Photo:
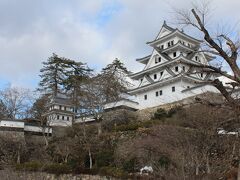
[143,58]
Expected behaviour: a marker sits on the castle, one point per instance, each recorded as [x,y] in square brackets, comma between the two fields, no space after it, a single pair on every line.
[169,74]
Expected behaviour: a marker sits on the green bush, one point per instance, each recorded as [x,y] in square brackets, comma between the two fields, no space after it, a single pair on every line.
[164,162]
[29,166]
[57,168]
[104,158]
[173,111]
[129,127]
[160,114]
[112,171]
[129,165]
[148,124]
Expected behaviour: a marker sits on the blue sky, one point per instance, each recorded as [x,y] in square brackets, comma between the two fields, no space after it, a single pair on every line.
[92,31]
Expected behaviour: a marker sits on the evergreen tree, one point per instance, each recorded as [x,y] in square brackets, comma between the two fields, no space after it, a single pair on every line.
[113,80]
[78,75]
[52,75]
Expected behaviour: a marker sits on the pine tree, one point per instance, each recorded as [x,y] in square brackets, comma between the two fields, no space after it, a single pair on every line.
[52,75]
[113,80]
[78,74]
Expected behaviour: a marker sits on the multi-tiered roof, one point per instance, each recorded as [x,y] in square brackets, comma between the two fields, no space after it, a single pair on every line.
[173,54]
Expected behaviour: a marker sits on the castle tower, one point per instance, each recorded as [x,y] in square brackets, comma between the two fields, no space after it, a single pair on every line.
[169,74]
[60,111]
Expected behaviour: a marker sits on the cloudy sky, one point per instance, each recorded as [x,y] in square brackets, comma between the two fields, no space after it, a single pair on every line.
[91,31]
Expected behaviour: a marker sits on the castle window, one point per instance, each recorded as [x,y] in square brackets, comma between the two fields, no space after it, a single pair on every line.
[201,74]
[162,46]
[141,80]
[169,44]
[176,68]
[62,117]
[188,87]
[160,92]
[196,58]
[172,43]
[57,116]
[155,76]
[145,97]
[60,107]
[173,89]
[183,68]
[68,118]
[156,60]
[157,93]
[174,54]
[161,73]
[159,59]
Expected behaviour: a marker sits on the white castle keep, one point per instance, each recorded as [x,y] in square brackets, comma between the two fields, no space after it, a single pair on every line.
[169,74]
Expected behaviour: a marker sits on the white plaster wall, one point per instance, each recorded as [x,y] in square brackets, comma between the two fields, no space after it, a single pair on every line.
[60,123]
[122,103]
[14,124]
[37,129]
[168,96]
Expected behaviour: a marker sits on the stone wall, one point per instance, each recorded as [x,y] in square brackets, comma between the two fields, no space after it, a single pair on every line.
[13,175]
[208,97]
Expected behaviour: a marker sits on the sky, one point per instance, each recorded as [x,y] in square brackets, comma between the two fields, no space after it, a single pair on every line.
[91,31]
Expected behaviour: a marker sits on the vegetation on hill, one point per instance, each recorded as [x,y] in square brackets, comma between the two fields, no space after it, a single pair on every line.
[181,142]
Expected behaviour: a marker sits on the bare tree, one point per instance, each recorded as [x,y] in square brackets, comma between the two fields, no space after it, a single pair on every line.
[222,45]
[17,102]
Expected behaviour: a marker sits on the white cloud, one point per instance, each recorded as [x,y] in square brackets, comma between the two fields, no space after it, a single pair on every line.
[32,30]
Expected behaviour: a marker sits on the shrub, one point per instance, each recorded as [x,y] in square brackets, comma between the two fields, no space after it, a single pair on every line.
[164,162]
[92,171]
[57,168]
[112,171]
[29,166]
[173,111]
[129,165]
[160,114]
[104,158]
[129,127]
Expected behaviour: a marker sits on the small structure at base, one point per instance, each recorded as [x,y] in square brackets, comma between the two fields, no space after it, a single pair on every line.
[61,111]
[24,127]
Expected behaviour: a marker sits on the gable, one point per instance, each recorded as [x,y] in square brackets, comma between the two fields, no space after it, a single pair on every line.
[200,58]
[154,57]
[163,32]
[145,81]
[165,75]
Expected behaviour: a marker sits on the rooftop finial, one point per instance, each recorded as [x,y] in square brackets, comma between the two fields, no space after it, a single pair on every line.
[164,22]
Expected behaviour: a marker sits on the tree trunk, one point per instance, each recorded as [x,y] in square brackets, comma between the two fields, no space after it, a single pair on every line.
[18,157]
[183,170]
[66,158]
[197,169]
[90,158]
[99,128]
[208,166]
[238,175]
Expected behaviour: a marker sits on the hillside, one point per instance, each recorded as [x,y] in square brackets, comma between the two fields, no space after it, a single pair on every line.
[181,141]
